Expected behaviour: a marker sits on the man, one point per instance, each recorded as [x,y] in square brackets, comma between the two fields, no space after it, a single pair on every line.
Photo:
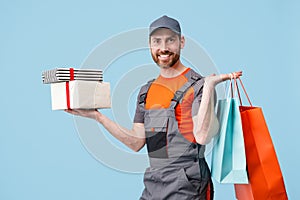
[174,118]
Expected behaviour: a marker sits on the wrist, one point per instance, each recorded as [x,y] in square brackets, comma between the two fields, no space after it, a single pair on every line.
[226,77]
[99,117]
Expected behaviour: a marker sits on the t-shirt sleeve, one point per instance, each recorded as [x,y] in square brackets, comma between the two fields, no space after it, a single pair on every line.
[139,111]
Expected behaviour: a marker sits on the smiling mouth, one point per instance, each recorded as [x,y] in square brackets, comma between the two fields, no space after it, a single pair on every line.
[164,57]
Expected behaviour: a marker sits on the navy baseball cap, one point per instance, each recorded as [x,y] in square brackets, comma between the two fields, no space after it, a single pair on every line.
[165,22]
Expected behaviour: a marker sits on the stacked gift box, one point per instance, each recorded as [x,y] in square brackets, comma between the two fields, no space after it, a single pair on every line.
[77,88]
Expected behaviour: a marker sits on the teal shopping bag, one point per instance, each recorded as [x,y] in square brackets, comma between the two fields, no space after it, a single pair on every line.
[228,154]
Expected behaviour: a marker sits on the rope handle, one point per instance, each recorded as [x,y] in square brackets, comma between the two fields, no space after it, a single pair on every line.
[232,89]
[229,89]
[236,88]
[235,82]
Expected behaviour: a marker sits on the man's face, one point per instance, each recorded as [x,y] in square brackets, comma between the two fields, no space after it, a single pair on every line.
[165,47]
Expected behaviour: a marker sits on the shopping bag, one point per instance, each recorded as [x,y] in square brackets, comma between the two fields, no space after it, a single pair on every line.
[228,154]
[265,177]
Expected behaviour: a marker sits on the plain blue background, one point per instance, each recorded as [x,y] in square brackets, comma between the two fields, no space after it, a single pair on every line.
[41,154]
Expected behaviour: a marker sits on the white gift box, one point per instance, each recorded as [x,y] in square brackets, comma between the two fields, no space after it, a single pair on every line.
[80,94]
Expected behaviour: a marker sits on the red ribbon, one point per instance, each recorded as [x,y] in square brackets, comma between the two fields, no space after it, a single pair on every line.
[68,95]
[71,74]
[68,87]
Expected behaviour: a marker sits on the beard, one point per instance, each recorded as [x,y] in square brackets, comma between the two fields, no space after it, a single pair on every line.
[165,59]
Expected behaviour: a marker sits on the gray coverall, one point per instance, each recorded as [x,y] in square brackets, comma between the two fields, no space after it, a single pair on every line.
[178,169]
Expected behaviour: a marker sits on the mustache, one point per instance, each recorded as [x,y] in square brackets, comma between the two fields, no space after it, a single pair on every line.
[165,53]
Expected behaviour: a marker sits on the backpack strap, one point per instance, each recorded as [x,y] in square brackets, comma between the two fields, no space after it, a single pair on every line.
[194,80]
[143,92]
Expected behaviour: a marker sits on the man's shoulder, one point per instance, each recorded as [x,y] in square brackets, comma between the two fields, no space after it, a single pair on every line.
[192,74]
[144,88]
[148,83]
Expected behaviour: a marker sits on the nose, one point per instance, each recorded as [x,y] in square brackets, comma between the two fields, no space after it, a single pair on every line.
[164,46]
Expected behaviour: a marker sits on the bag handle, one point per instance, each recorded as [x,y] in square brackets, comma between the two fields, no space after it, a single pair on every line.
[235,82]
[229,89]
[238,91]
[232,89]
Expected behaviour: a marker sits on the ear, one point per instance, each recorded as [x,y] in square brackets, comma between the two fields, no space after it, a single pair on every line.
[182,42]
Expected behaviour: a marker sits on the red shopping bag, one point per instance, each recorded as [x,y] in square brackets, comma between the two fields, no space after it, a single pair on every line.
[265,177]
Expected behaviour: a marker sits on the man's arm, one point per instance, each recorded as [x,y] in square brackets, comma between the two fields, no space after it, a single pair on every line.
[206,124]
[134,138]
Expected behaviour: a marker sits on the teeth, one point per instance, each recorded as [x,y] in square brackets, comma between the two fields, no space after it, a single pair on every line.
[164,56]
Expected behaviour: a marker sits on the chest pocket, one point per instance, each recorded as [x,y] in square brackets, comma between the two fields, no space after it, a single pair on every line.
[156,128]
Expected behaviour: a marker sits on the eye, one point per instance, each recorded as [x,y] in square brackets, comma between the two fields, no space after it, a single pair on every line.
[171,40]
[155,41]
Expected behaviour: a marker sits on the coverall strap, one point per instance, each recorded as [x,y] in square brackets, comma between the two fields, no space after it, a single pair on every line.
[144,91]
[192,78]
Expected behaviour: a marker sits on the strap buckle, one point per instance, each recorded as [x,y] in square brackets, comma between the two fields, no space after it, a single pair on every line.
[195,77]
[177,96]
[142,98]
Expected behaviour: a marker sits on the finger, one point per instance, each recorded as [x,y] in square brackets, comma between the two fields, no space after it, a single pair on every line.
[238,74]
[70,111]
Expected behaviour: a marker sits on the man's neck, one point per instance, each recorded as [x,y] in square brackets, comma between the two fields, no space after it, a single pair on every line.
[173,71]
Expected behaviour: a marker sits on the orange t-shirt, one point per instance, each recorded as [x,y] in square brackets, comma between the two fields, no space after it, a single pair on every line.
[160,94]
